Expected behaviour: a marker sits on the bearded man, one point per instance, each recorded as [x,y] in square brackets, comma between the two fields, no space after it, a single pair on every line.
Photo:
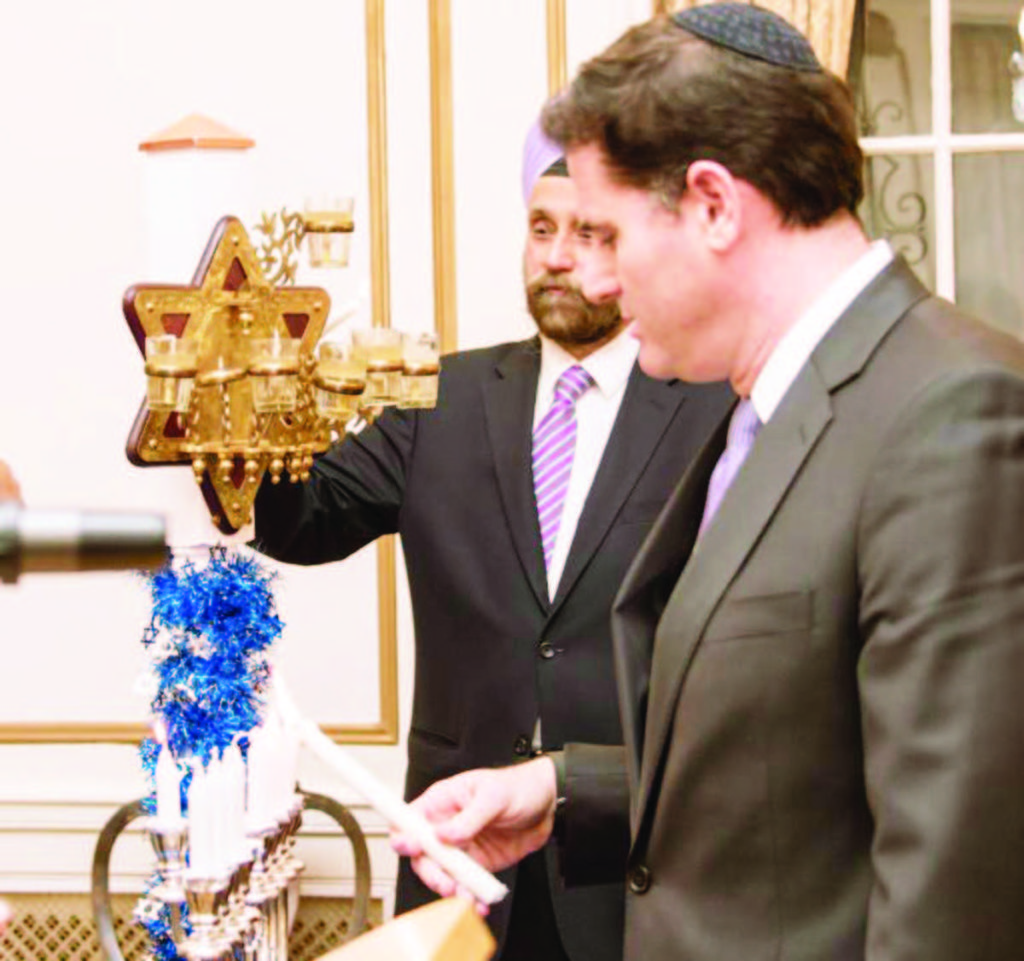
[520,500]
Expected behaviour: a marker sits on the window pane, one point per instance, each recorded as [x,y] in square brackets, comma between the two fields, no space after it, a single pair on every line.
[990,237]
[890,67]
[898,206]
[982,45]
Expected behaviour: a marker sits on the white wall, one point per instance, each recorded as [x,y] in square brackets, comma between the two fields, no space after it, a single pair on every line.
[83,85]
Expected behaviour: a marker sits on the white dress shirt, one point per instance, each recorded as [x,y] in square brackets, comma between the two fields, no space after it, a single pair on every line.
[610,366]
[790,354]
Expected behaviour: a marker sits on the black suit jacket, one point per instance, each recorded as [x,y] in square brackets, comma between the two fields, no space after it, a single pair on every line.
[492,653]
[823,714]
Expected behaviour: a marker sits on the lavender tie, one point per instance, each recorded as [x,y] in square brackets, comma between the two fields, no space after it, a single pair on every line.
[554,444]
[743,428]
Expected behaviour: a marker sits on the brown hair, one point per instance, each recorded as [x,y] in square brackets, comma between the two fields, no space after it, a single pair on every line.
[660,98]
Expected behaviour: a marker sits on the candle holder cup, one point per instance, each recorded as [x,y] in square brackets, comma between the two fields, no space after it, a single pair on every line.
[170,842]
[206,899]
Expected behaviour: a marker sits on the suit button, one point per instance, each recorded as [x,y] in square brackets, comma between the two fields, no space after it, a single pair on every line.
[522,746]
[639,879]
[547,651]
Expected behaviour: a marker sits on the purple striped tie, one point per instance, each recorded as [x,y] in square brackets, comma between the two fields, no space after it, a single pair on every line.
[554,444]
[743,428]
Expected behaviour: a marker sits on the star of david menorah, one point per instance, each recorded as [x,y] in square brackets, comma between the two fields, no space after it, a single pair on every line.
[239,384]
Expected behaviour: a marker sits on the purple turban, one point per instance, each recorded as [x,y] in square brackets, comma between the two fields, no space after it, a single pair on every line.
[539,154]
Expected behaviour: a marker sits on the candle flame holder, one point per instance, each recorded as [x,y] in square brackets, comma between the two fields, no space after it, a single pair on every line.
[170,843]
[207,899]
[326,227]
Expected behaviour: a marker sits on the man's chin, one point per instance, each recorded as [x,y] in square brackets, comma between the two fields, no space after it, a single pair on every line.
[655,364]
[574,331]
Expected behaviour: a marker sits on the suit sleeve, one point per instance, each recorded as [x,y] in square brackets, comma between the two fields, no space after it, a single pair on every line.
[595,832]
[941,675]
[354,495]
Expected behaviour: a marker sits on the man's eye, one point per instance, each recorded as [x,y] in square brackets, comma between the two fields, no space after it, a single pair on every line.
[596,236]
[542,230]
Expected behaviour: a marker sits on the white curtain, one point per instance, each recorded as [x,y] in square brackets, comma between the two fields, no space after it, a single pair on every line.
[989,194]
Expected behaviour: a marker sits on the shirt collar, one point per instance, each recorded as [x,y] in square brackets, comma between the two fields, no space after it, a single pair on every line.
[790,354]
[610,365]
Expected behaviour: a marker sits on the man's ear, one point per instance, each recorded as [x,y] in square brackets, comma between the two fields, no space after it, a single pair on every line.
[716,200]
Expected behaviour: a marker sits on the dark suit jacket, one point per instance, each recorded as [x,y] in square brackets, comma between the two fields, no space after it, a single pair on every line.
[824,727]
[492,654]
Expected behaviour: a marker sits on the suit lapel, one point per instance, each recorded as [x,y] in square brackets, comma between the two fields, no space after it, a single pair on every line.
[759,487]
[645,590]
[647,408]
[781,449]
[509,401]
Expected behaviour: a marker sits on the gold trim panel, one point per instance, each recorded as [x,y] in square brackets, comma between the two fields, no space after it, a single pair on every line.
[71,732]
[386,730]
[443,173]
[557,56]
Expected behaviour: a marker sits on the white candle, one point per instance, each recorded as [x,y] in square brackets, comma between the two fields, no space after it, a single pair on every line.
[259,796]
[285,746]
[168,788]
[234,769]
[483,885]
[292,746]
[199,840]
[216,779]
[272,739]
[279,787]
[252,767]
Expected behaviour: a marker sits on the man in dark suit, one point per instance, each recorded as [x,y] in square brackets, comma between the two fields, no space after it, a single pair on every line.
[820,647]
[513,650]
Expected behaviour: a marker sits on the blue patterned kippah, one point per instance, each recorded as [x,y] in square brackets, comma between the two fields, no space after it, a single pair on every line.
[751,31]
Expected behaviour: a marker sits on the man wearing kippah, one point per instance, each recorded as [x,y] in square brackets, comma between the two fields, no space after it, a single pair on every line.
[520,500]
[819,648]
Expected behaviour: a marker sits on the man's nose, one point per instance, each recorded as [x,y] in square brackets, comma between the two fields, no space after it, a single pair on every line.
[597,279]
[559,255]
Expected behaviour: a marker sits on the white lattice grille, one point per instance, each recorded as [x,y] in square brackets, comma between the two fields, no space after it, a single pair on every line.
[59,928]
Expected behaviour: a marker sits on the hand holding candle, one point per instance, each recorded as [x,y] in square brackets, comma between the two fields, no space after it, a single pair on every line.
[483,885]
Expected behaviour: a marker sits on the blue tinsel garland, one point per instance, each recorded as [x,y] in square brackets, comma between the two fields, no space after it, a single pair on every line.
[209,635]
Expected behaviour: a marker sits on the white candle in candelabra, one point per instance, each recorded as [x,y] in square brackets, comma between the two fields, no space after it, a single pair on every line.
[286,745]
[204,856]
[198,839]
[216,779]
[168,788]
[259,783]
[292,746]
[273,742]
[252,767]
[234,769]
[281,788]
